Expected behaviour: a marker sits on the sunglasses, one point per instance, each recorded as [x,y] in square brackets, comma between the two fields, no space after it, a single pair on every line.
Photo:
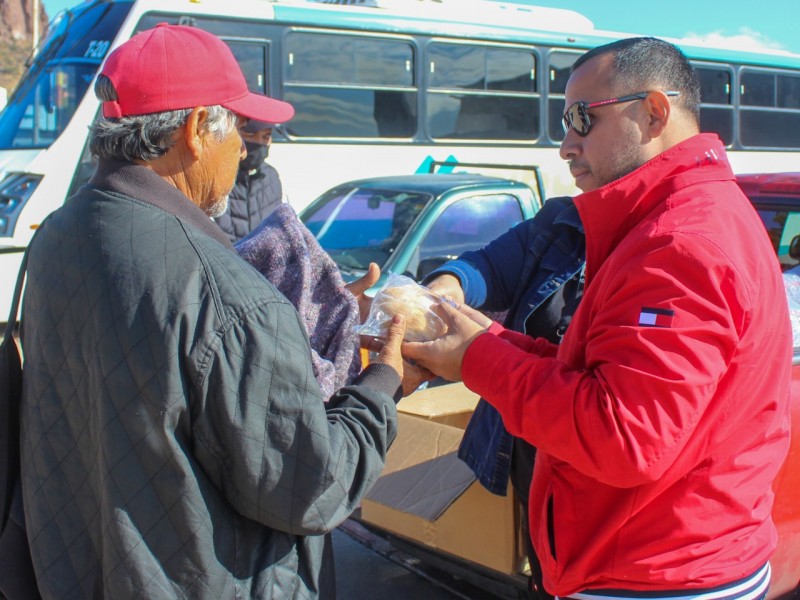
[578,119]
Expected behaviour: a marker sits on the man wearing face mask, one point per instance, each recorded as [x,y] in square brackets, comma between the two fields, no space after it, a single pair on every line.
[258,188]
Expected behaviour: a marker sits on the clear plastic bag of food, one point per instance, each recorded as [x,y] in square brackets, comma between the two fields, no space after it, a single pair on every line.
[402,295]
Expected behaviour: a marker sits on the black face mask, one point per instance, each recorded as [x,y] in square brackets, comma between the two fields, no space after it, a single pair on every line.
[256,155]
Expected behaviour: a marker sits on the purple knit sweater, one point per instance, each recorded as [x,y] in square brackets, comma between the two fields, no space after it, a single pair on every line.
[283,250]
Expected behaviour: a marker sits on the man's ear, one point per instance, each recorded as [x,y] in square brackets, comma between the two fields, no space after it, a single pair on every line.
[659,110]
[194,131]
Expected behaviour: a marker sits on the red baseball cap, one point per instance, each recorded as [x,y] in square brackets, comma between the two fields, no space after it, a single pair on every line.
[173,67]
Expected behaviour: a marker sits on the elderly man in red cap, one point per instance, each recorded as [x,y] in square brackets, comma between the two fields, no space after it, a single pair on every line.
[175,441]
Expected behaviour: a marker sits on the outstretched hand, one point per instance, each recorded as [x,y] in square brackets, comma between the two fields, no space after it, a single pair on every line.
[361,285]
[443,356]
[412,375]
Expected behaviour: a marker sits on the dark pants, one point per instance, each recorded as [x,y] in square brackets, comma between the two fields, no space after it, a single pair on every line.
[522,457]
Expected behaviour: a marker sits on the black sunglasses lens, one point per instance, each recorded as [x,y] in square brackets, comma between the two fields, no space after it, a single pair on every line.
[565,124]
[580,119]
[577,119]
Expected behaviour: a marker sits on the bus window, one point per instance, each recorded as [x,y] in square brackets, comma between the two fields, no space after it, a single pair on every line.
[758,89]
[252,58]
[789,91]
[558,71]
[716,108]
[719,121]
[770,114]
[766,129]
[715,85]
[510,71]
[482,92]
[346,86]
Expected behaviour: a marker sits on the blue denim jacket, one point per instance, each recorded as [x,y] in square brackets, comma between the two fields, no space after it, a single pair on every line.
[516,272]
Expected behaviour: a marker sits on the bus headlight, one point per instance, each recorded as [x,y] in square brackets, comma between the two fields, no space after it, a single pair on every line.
[15,190]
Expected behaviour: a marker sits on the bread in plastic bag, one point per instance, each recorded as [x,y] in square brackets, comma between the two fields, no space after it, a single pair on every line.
[402,295]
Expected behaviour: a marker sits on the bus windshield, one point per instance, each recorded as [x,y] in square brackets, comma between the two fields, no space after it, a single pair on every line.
[59,75]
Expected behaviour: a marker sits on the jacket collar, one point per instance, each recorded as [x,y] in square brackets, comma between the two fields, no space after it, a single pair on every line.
[610,212]
[141,183]
[569,216]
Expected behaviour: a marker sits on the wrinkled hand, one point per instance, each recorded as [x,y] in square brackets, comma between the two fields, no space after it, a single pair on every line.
[448,286]
[443,356]
[412,375]
[390,352]
[361,285]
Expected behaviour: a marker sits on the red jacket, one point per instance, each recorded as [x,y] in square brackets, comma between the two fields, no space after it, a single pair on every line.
[662,418]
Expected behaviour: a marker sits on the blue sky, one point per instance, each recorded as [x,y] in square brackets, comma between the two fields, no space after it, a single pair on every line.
[744,23]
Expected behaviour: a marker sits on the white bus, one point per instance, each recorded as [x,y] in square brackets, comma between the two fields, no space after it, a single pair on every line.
[380,87]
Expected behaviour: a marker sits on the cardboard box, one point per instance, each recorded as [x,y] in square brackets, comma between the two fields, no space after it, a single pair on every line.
[451,404]
[427,495]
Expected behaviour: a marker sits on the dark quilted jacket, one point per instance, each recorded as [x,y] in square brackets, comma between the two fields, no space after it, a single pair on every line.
[174,440]
[252,200]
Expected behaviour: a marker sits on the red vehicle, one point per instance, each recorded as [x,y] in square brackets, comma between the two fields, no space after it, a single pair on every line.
[776,197]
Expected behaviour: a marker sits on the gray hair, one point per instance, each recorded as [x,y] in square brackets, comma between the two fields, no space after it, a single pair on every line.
[146,137]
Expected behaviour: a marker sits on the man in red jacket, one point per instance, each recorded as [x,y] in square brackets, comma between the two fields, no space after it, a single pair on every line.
[662,418]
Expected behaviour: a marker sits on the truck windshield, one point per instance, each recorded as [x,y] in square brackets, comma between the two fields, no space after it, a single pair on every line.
[357,226]
[59,74]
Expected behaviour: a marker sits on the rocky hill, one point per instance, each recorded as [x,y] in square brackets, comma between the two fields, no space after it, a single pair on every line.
[16,38]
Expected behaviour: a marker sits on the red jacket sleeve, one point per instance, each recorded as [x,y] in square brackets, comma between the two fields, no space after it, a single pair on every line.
[620,400]
[538,346]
